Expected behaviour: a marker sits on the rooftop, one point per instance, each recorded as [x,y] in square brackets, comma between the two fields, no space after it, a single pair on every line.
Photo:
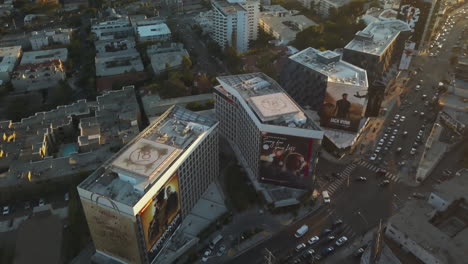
[160,56]
[9,57]
[112,46]
[44,55]
[127,176]
[330,64]
[455,188]
[287,26]
[227,8]
[434,231]
[377,36]
[267,99]
[153,30]
[47,33]
[119,63]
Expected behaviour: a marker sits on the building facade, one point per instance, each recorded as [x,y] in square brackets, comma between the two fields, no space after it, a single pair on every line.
[9,57]
[112,29]
[38,76]
[235,23]
[137,199]
[47,37]
[266,128]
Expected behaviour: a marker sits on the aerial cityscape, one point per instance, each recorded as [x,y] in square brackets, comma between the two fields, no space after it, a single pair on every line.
[234,131]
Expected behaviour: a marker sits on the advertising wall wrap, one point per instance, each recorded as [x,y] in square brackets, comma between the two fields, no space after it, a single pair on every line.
[416,14]
[343,107]
[113,233]
[160,217]
[285,160]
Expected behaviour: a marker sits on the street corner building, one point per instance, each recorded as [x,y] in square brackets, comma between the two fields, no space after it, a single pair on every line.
[275,140]
[136,200]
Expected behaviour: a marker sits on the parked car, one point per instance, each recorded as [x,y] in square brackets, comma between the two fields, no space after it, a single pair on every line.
[330,238]
[339,221]
[221,250]
[413,151]
[41,202]
[313,240]
[418,195]
[326,232]
[373,157]
[6,210]
[362,179]
[341,241]
[358,252]
[327,251]
[300,247]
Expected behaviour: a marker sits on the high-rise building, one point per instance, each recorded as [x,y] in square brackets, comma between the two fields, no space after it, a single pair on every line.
[375,49]
[274,139]
[235,23]
[135,201]
[336,90]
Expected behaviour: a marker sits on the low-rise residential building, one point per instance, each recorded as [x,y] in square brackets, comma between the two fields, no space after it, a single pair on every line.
[9,58]
[110,47]
[142,20]
[435,231]
[47,37]
[282,25]
[119,64]
[39,70]
[324,6]
[38,76]
[166,57]
[375,14]
[112,29]
[44,55]
[71,5]
[155,32]
[44,147]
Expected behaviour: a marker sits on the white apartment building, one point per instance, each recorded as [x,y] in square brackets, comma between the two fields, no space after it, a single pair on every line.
[268,131]
[166,168]
[45,38]
[156,32]
[9,57]
[112,29]
[235,21]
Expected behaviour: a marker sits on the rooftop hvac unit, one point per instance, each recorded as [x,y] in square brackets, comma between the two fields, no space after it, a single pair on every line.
[300,118]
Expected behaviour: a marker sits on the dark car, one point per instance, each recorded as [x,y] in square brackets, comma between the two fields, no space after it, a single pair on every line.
[326,232]
[358,252]
[337,223]
[361,179]
[384,183]
[327,251]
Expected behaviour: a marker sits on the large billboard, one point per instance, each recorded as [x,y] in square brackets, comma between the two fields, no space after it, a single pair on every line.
[113,233]
[285,160]
[343,107]
[416,14]
[160,216]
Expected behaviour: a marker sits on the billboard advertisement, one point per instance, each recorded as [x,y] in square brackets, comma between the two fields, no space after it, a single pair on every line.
[415,13]
[343,107]
[113,233]
[285,160]
[160,216]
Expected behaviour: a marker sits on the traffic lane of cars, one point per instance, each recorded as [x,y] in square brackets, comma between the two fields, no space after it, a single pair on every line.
[321,245]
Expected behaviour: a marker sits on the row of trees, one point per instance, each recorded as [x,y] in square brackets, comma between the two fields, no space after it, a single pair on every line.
[336,30]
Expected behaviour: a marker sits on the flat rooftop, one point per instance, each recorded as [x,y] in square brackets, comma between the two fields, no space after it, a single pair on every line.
[8,58]
[455,188]
[377,36]
[329,63]
[119,63]
[267,99]
[44,55]
[227,8]
[287,26]
[113,46]
[127,176]
[153,30]
[416,220]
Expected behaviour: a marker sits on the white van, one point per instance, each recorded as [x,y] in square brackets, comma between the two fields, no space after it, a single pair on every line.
[301,231]
[326,197]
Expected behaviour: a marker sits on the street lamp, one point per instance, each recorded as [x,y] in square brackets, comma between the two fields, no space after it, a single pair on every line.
[363,218]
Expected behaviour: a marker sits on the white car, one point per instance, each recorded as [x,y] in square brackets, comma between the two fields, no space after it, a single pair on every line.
[397,117]
[373,156]
[421,114]
[341,241]
[413,151]
[206,255]
[221,250]
[381,142]
[418,87]
[6,210]
[398,149]
[402,118]
[41,202]
[313,240]
[395,132]
[300,247]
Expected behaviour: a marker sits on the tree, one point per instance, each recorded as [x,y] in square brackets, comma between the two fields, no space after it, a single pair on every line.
[174,88]
[61,93]
[453,60]
[186,62]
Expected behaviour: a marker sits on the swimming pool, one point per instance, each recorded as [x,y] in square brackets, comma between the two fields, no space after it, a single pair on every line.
[68,149]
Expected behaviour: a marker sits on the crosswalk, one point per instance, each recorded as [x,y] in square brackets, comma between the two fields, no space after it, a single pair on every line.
[343,177]
[372,167]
